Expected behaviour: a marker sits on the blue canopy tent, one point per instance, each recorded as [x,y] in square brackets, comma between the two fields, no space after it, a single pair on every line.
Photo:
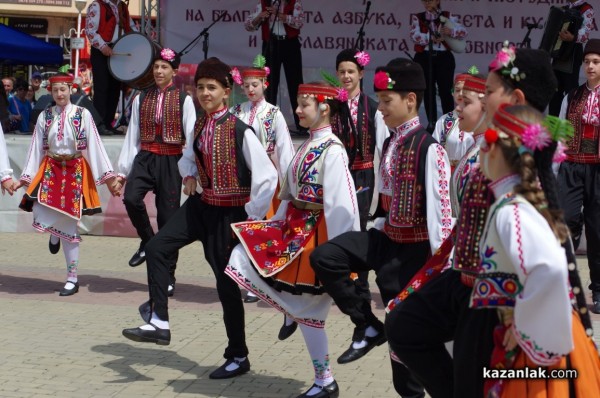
[17,47]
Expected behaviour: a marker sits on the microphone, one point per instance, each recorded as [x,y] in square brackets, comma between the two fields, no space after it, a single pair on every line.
[368,8]
[534,25]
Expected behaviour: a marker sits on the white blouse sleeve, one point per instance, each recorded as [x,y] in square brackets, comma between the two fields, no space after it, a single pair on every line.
[284,148]
[264,176]
[5,170]
[439,127]
[381,132]
[35,152]
[458,143]
[132,143]
[189,120]
[542,318]
[97,158]
[437,191]
[339,194]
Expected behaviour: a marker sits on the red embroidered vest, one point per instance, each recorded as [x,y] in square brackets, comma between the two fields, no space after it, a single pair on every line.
[424,28]
[288,9]
[577,146]
[171,131]
[108,21]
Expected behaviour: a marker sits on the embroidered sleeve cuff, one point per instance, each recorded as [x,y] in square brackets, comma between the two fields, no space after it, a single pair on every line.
[106,176]
[26,179]
[6,177]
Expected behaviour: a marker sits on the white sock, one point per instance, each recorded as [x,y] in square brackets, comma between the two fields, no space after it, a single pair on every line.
[250,294]
[288,320]
[370,332]
[233,366]
[54,239]
[155,321]
[359,344]
[70,285]
[316,343]
[71,250]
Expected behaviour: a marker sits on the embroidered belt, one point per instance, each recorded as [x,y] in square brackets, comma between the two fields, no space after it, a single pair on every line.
[413,234]
[588,146]
[162,149]
[302,205]
[361,165]
[63,158]
[467,279]
[210,198]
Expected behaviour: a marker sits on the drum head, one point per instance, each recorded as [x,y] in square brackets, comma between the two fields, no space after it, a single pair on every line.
[132,58]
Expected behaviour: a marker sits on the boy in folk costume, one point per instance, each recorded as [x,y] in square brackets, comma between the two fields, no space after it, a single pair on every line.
[162,123]
[415,175]
[318,203]
[268,124]
[578,175]
[362,130]
[238,181]
[435,308]
[61,182]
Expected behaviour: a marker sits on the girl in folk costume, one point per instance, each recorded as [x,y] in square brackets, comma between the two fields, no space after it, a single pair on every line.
[318,203]
[6,173]
[238,181]
[268,124]
[447,132]
[523,273]
[62,183]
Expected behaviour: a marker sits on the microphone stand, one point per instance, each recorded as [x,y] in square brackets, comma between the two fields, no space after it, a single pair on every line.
[360,40]
[526,43]
[270,51]
[203,34]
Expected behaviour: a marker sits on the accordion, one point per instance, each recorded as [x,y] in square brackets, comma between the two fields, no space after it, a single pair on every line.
[562,53]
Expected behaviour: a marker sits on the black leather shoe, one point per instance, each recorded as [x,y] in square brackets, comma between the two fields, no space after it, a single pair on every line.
[138,258]
[595,302]
[286,331]
[158,336]
[251,299]
[69,292]
[54,248]
[352,354]
[146,311]
[171,289]
[329,391]
[222,373]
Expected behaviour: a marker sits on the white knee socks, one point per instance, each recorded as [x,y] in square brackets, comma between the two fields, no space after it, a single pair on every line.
[316,343]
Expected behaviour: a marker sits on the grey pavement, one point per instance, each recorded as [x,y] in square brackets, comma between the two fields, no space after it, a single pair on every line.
[72,346]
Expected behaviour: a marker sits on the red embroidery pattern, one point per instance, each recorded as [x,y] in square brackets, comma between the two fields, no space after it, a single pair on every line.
[519,237]
[444,193]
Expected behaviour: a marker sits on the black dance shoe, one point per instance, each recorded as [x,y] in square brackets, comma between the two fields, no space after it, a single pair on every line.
[329,391]
[596,302]
[158,336]
[287,330]
[146,311]
[69,292]
[223,373]
[171,289]
[138,258]
[352,354]
[54,248]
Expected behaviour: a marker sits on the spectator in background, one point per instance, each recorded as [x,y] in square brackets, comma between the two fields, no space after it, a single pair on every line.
[20,107]
[9,85]
[282,47]
[36,84]
[106,22]
[4,119]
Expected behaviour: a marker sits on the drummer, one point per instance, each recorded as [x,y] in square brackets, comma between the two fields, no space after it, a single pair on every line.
[162,122]
[106,21]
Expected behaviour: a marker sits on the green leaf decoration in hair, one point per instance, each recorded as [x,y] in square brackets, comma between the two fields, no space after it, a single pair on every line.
[473,70]
[331,79]
[64,69]
[559,129]
[259,61]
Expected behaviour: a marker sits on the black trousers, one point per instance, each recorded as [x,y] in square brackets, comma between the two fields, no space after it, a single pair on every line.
[288,53]
[579,187]
[196,220]
[393,263]
[418,327]
[106,88]
[159,174]
[364,178]
[443,65]
[566,82]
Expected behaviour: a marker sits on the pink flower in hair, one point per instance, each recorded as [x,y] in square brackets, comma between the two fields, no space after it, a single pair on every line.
[267,70]
[560,155]
[504,57]
[342,95]
[362,58]
[535,137]
[236,75]
[167,54]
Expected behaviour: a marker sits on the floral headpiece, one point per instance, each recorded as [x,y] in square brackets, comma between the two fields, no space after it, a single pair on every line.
[383,81]
[474,84]
[504,63]
[534,137]
[342,93]
[362,58]
[259,69]
[167,54]
[61,79]
[322,93]
[236,76]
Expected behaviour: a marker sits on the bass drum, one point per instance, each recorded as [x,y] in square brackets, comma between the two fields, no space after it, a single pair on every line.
[132,60]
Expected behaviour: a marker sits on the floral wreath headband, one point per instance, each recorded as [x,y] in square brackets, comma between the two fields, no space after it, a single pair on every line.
[504,63]
[55,80]
[534,137]
[474,84]
[259,70]
[322,93]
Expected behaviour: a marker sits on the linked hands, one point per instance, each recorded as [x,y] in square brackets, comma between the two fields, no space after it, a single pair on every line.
[114,185]
[10,186]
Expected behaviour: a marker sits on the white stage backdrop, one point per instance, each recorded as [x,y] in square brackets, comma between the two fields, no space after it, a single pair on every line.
[333,25]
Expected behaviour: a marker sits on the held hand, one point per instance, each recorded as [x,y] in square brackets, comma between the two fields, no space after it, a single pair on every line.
[190,186]
[18,185]
[282,17]
[114,186]
[106,51]
[565,35]
[446,31]
[8,186]
[510,341]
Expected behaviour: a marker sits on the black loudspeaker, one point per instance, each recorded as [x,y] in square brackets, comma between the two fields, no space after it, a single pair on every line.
[46,101]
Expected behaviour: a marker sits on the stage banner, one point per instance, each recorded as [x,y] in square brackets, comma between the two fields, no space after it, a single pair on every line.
[331,26]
